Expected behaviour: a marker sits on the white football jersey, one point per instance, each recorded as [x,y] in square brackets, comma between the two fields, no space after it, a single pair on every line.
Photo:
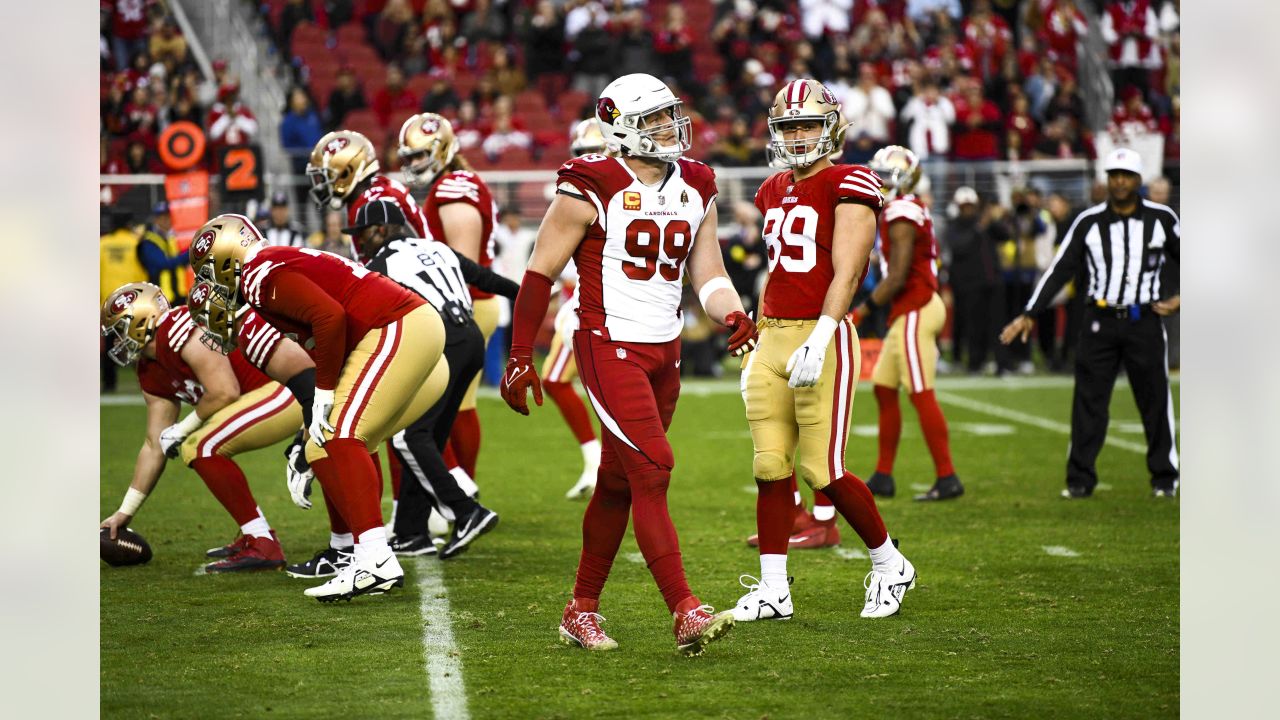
[631,262]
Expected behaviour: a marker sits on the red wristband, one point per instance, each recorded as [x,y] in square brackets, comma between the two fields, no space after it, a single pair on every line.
[529,312]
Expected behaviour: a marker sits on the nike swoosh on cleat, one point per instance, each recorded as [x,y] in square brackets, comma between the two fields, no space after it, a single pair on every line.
[384,562]
[784,598]
[903,571]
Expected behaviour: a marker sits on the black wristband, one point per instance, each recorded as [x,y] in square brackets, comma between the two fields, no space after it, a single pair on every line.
[303,387]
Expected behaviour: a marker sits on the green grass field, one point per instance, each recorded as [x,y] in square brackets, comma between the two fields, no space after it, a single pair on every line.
[997,625]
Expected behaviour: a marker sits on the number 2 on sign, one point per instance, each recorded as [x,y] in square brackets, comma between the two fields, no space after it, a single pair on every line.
[795,249]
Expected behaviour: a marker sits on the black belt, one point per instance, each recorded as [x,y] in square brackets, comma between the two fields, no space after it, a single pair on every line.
[1121,312]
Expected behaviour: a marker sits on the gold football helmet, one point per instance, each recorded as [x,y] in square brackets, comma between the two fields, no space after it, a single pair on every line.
[219,251]
[339,162]
[805,101]
[427,146]
[129,318]
[899,170]
[586,138]
[214,316]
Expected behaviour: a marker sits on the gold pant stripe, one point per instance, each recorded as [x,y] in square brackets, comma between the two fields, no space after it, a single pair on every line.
[259,418]
[559,365]
[486,314]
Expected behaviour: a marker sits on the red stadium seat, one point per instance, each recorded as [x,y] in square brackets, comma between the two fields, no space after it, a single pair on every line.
[367,123]
[420,84]
[351,34]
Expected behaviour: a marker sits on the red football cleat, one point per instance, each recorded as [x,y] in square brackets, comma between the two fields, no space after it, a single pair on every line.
[581,626]
[804,521]
[233,547]
[697,628]
[820,535]
[261,554]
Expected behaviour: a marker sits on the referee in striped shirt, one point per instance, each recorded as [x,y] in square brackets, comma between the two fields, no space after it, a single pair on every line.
[1128,247]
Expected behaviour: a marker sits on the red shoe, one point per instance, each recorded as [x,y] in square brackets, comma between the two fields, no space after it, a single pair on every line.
[581,626]
[821,535]
[233,547]
[261,554]
[697,628]
[804,521]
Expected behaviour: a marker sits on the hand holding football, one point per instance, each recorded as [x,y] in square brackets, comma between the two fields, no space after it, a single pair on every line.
[129,548]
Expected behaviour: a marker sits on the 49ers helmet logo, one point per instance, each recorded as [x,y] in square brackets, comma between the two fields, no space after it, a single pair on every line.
[123,301]
[199,294]
[335,145]
[203,244]
[827,97]
[606,110]
[430,126]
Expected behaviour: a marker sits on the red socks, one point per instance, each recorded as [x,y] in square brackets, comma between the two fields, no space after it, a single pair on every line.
[336,523]
[226,481]
[464,438]
[603,526]
[934,426]
[854,501]
[350,480]
[571,407]
[656,535]
[890,427]
[775,514]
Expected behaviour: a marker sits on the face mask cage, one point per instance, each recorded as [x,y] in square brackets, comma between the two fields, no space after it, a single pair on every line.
[679,124]
[124,350]
[421,167]
[321,186]
[801,152]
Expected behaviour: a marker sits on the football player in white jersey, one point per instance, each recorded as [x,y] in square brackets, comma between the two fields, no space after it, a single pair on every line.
[630,223]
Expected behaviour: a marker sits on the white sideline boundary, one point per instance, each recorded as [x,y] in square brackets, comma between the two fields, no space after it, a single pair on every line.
[1028,419]
[444,660]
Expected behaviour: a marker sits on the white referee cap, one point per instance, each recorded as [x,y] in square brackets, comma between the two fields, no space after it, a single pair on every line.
[1123,159]
[965,195]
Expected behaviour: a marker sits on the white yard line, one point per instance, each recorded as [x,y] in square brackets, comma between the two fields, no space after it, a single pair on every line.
[1027,419]
[1059,551]
[444,660]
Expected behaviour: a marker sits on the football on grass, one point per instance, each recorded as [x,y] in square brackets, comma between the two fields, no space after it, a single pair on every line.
[129,548]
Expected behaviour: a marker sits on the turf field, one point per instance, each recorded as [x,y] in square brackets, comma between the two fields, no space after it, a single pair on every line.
[1027,605]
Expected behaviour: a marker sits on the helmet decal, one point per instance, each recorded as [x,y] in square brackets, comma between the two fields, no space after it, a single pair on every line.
[827,97]
[606,110]
[199,294]
[430,125]
[335,145]
[123,301]
[203,244]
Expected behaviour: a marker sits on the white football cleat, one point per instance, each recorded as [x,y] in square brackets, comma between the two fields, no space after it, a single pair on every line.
[763,602]
[370,577]
[585,486]
[885,589]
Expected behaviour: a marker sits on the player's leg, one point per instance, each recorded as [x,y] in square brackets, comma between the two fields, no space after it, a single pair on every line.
[465,435]
[1146,364]
[385,377]
[558,371]
[889,374]
[259,418]
[922,361]
[1097,362]
[822,414]
[603,526]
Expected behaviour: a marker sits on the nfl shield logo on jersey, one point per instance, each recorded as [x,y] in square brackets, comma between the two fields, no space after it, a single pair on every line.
[622,354]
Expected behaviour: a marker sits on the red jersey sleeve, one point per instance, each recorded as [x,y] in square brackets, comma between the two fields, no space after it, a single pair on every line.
[154,381]
[902,210]
[258,340]
[458,186]
[294,296]
[858,184]
[174,331]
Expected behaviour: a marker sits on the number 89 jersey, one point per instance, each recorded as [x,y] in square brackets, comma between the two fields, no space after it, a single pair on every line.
[631,262]
[799,218]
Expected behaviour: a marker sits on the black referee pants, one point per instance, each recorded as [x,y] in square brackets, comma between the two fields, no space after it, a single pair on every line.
[1107,343]
[426,481]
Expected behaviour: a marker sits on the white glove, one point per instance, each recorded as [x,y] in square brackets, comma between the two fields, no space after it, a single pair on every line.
[171,437]
[298,475]
[321,406]
[805,364]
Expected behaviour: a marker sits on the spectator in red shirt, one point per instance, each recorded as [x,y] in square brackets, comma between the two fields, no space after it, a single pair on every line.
[394,100]
[1064,26]
[673,43]
[1059,141]
[128,29]
[1021,129]
[977,124]
[988,38]
[1132,116]
[230,121]
[1130,29]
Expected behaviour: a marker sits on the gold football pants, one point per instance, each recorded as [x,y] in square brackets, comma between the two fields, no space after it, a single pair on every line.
[258,419]
[909,355]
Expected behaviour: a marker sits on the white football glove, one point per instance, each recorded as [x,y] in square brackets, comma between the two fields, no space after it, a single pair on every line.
[321,406]
[171,437]
[805,364]
[298,475]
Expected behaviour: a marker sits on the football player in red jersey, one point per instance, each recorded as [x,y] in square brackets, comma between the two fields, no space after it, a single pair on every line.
[237,409]
[377,348]
[909,356]
[819,226]
[630,223]
[460,212]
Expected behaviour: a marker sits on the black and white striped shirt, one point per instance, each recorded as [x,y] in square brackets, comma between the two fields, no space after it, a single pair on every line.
[1130,260]
[437,273]
[290,235]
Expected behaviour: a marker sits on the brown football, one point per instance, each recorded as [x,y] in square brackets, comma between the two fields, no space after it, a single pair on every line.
[129,548]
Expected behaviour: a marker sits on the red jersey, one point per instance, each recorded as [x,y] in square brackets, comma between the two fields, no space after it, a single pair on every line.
[799,218]
[381,187]
[631,262]
[169,376]
[328,301]
[465,187]
[257,339]
[922,275]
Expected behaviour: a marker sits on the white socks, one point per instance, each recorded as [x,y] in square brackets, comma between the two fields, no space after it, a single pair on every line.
[372,545]
[257,527]
[884,555]
[591,455]
[799,501]
[341,541]
[823,513]
[773,571]
[465,483]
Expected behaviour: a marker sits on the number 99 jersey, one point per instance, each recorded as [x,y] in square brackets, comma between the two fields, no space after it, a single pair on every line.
[631,262]
[799,218]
